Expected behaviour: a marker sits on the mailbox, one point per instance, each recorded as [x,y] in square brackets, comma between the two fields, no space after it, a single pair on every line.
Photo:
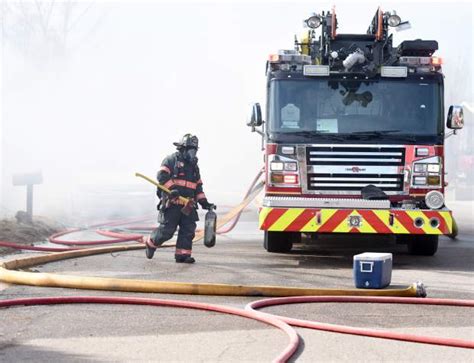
[28,179]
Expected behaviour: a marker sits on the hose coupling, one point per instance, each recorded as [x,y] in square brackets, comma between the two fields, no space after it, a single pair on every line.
[420,289]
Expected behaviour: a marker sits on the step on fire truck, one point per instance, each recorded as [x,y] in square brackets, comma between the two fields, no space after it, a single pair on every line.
[354,137]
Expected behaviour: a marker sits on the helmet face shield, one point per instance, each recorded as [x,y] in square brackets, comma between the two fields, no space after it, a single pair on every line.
[190,155]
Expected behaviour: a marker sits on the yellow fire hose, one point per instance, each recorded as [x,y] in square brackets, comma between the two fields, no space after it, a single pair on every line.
[9,275]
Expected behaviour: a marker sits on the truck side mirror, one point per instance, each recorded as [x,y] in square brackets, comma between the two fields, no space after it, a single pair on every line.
[255,116]
[455,118]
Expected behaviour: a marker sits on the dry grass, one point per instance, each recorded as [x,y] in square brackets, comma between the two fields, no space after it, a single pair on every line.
[12,230]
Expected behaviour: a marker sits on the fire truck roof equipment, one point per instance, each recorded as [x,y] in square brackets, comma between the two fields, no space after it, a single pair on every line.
[367,54]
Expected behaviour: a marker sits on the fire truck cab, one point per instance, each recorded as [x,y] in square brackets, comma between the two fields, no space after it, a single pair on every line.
[354,137]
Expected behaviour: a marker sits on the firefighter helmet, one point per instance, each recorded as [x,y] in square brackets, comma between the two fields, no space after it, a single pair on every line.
[188,140]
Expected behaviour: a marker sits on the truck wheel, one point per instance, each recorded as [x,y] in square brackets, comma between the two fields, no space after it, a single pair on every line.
[280,241]
[422,245]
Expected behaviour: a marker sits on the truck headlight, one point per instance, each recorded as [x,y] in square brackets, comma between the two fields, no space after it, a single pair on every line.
[433,168]
[419,180]
[276,166]
[280,166]
[434,199]
[427,172]
[420,168]
[291,166]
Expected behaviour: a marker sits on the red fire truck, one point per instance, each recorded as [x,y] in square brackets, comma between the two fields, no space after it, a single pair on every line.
[354,137]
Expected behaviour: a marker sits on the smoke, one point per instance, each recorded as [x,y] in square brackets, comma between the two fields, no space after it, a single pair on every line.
[93,92]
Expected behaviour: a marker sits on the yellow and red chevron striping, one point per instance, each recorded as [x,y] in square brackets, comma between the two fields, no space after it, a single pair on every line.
[273,216]
[333,222]
[407,222]
[375,221]
[302,220]
[436,214]
[382,221]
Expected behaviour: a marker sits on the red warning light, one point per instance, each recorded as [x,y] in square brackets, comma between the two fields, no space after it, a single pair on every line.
[436,61]
[273,57]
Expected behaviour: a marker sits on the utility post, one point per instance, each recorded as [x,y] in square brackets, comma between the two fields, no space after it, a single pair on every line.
[28,179]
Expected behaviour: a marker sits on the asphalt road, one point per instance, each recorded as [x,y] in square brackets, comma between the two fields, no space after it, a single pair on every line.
[79,333]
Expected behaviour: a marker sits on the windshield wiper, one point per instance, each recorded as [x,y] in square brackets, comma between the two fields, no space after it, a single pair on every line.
[374,133]
[319,134]
[367,135]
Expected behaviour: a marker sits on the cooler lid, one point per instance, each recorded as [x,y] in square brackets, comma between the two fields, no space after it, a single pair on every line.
[373,256]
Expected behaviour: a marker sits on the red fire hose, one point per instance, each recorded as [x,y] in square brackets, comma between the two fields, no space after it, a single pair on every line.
[55,239]
[270,320]
[277,321]
[116,237]
[119,235]
[459,343]
[35,248]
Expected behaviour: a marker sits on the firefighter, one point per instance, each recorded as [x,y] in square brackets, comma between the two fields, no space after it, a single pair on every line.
[179,172]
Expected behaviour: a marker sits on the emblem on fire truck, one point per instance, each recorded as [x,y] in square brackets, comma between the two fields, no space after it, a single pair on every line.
[356,169]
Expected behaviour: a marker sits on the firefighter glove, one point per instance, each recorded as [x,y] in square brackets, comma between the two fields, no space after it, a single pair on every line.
[174,194]
[206,205]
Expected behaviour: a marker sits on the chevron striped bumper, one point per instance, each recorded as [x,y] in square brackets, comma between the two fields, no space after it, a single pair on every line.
[381,221]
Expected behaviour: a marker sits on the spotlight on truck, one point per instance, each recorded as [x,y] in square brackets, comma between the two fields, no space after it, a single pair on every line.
[394,20]
[313,22]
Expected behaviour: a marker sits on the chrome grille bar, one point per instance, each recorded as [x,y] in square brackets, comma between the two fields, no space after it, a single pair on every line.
[355,179]
[353,185]
[352,153]
[339,168]
[356,160]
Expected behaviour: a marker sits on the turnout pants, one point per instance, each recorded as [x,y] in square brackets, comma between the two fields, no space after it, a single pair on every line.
[170,219]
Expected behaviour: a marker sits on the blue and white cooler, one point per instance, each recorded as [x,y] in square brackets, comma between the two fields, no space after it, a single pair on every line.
[372,270]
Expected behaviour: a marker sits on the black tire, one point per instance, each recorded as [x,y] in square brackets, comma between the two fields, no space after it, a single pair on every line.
[422,245]
[280,242]
[296,237]
[400,239]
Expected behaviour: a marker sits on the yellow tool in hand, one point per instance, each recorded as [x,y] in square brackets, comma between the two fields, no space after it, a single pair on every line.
[188,203]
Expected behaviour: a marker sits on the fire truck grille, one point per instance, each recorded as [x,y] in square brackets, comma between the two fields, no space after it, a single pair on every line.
[345,168]
[386,182]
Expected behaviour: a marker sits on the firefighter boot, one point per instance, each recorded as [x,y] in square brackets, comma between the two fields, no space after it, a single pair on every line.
[184,259]
[150,248]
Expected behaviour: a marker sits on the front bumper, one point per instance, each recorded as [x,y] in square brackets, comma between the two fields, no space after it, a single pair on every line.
[348,220]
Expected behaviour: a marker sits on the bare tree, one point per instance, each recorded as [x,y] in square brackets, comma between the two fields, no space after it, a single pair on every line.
[43,32]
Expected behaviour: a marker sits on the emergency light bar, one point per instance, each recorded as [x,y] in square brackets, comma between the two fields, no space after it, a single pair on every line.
[393,71]
[289,56]
[316,70]
[421,61]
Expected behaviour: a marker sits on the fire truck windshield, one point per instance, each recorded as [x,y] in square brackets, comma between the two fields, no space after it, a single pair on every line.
[381,106]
